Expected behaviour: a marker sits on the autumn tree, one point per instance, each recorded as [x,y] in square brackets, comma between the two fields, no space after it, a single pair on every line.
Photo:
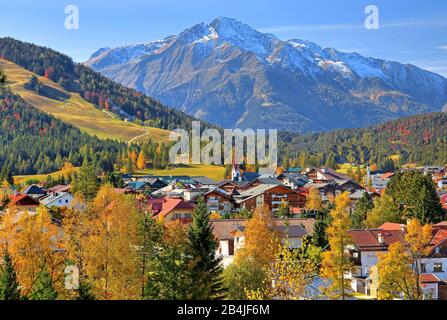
[283,210]
[400,268]
[141,162]
[261,240]
[290,274]
[112,236]
[67,171]
[243,276]
[134,157]
[384,210]
[9,285]
[314,201]
[77,228]
[336,262]
[37,248]
[206,267]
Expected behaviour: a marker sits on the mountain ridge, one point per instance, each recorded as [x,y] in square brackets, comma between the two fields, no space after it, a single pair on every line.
[232,75]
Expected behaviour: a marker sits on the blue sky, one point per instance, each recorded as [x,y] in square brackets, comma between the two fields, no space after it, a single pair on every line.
[411,31]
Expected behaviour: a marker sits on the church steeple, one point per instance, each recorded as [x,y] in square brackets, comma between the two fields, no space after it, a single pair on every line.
[235,172]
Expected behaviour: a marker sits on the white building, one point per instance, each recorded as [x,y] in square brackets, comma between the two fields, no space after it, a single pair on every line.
[58,199]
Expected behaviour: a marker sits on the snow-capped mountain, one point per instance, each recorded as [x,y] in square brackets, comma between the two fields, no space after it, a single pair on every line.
[228,73]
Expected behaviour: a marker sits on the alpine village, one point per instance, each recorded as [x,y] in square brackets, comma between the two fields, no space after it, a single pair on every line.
[88,194]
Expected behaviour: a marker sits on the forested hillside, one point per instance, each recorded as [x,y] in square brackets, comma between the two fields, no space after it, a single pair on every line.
[92,86]
[420,139]
[34,142]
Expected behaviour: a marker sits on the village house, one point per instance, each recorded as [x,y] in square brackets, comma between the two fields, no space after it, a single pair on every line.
[23,202]
[35,191]
[229,234]
[220,201]
[293,180]
[367,244]
[379,181]
[325,175]
[271,196]
[172,209]
[58,199]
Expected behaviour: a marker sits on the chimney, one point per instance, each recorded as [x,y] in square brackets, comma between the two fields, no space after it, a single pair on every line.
[380,238]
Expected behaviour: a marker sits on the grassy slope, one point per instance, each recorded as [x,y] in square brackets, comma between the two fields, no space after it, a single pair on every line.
[77,111]
[89,119]
[41,177]
[210,171]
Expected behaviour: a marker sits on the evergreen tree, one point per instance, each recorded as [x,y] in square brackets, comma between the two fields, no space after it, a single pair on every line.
[86,183]
[2,77]
[84,291]
[43,289]
[319,237]
[206,268]
[415,194]
[150,233]
[363,205]
[9,286]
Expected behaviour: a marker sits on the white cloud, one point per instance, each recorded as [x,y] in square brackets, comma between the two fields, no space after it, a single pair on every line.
[443,47]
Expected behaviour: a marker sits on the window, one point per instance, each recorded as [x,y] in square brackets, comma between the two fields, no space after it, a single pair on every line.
[437,267]
[423,268]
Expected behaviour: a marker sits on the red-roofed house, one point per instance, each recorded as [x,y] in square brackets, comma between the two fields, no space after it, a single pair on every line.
[174,209]
[434,287]
[392,226]
[23,202]
[444,201]
[367,244]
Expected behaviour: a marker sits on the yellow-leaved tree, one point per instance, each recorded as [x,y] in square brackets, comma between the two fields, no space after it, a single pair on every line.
[336,262]
[287,276]
[400,268]
[76,227]
[260,238]
[314,201]
[141,162]
[35,243]
[111,254]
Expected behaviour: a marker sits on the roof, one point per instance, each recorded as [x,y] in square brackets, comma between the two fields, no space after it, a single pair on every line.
[169,205]
[59,188]
[24,200]
[441,224]
[204,181]
[220,191]
[136,185]
[330,174]
[34,189]
[249,176]
[429,278]
[439,237]
[387,175]
[151,181]
[367,240]
[290,231]
[260,189]
[223,228]
[297,179]
[391,226]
